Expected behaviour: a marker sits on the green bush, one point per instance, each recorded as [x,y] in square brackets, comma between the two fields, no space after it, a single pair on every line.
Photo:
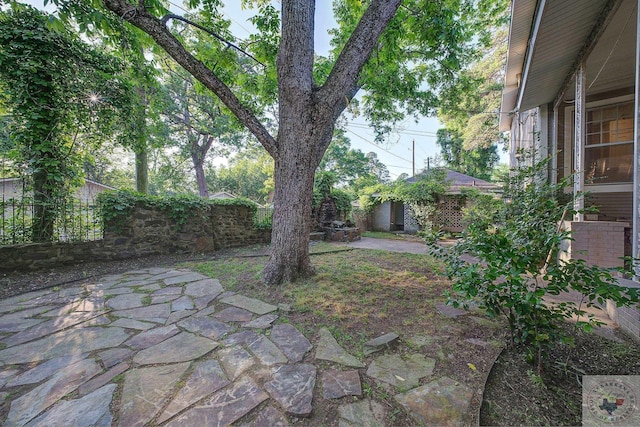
[116,206]
[512,242]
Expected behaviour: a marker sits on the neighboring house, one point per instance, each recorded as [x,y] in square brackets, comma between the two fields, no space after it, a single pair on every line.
[571,94]
[396,216]
[12,188]
[222,195]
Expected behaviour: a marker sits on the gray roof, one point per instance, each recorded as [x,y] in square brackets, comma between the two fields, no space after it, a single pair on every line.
[458,180]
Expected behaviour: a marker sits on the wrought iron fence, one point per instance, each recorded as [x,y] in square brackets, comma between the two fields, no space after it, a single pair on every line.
[76,221]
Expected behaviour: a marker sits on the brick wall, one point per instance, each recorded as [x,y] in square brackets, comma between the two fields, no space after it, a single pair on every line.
[597,242]
[146,231]
[602,243]
[628,318]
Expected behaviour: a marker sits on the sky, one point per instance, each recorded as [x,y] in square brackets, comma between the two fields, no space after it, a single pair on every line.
[396,152]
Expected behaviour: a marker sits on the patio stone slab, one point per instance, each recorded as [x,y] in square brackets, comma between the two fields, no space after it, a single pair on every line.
[169,290]
[182,303]
[126,301]
[270,416]
[292,387]
[202,302]
[440,402]
[113,356]
[337,384]
[49,327]
[152,337]
[101,380]
[234,314]
[329,349]
[261,322]
[17,324]
[291,341]
[265,351]
[235,361]
[179,348]
[66,380]
[44,370]
[185,277]
[176,316]
[363,413]
[207,378]
[145,390]
[224,407]
[123,322]
[71,341]
[206,326]
[380,343]
[204,288]
[160,299]
[403,372]
[251,304]
[157,313]
[90,410]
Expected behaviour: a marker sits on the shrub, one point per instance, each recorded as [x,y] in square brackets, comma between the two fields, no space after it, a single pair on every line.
[513,243]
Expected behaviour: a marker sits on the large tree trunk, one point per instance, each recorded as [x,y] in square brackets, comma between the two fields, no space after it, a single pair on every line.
[293,198]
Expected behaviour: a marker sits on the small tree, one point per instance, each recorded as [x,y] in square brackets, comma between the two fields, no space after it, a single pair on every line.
[512,275]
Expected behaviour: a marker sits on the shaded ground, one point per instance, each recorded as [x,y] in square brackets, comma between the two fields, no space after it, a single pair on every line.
[357,296]
[365,293]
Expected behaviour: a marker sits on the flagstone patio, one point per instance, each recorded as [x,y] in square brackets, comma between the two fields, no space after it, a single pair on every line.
[170,347]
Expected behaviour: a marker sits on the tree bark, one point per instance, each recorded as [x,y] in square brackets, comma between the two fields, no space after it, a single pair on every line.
[142,169]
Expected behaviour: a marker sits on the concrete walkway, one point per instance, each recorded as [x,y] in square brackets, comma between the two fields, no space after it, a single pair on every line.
[171,347]
[391,245]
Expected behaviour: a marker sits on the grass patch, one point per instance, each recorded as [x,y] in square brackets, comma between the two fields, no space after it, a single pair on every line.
[385,235]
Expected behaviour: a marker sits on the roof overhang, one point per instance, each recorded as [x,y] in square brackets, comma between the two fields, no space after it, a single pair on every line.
[547,38]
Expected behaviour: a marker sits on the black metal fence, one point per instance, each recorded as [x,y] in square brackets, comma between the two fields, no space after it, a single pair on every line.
[75,221]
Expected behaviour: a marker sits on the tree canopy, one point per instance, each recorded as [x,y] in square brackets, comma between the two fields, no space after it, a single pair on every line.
[401,54]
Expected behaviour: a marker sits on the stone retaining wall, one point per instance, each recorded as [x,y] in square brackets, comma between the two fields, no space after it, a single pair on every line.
[146,231]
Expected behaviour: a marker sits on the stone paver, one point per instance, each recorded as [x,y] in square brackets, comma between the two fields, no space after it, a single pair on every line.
[292,387]
[440,402]
[206,326]
[329,349]
[292,343]
[90,410]
[68,352]
[363,413]
[403,372]
[145,390]
[179,348]
[224,407]
[250,304]
[206,379]
[380,343]
[337,384]
[66,380]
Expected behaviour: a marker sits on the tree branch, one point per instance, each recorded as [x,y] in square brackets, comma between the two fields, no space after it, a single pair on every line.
[155,28]
[342,83]
[166,18]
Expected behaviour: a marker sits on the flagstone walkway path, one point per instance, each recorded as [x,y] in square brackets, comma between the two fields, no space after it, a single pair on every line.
[171,347]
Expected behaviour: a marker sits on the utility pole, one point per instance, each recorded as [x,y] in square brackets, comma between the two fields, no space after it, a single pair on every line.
[413,157]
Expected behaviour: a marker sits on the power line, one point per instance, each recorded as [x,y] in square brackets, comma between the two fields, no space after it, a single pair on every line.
[377,146]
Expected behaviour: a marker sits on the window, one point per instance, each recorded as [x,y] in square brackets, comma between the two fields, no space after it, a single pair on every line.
[608,154]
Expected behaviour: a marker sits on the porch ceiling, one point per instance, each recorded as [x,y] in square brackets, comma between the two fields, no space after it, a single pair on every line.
[556,41]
